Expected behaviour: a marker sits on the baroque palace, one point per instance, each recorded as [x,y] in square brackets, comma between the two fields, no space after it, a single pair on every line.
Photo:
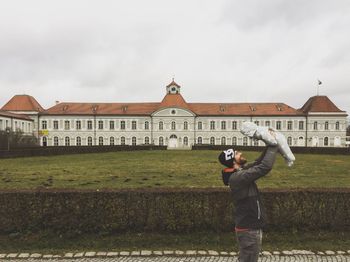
[173,122]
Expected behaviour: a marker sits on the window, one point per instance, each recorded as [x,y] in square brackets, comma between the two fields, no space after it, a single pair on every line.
[89,124]
[199,140]
[111,141]
[256,142]
[122,140]
[122,125]
[44,124]
[301,125]
[100,141]
[234,125]
[289,125]
[55,141]
[111,125]
[100,124]
[146,140]
[234,140]
[78,141]
[212,140]
[325,141]
[133,141]
[337,125]
[55,124]
[161,141]
[278,125]
[326,125]
[267,123]
[67,141]
[160,125]
[315,125]
[185,125]
[66,125]
[173,125]
[133,125]
[256,122]
[223,141]
[245,141]
[44,141]
[78,125]
[223,125]
[186,141]
[146,125]
[289,141]
[212,125]
[89,141]
[200,125]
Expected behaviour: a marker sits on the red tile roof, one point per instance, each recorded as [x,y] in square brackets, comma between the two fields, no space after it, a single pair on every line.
[13,115]
[320,104]
[102,109]
[22,103]
[173,100]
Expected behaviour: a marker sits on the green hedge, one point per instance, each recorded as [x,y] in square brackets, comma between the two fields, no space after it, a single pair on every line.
[166,210]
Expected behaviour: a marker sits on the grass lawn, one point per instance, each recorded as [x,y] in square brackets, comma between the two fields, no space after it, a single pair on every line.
[140,169]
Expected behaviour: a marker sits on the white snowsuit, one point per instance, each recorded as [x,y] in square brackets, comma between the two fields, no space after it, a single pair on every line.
[271,137]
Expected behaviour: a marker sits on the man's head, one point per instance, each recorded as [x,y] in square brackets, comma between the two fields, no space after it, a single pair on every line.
[232,158]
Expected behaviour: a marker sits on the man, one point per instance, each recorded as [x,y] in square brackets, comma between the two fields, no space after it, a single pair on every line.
[249,211]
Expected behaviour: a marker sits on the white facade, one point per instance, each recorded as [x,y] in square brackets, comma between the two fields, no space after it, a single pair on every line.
[180,128]
[16,124]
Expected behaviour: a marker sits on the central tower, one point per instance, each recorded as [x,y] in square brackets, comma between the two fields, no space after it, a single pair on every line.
[173,88]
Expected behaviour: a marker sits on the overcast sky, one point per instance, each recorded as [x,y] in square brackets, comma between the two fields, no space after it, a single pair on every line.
[218,51]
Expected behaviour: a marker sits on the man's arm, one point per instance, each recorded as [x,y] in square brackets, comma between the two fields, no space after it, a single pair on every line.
[258,160]
[247,176]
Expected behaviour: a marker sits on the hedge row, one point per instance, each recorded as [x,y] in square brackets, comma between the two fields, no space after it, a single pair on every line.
[166,210]
[66,150]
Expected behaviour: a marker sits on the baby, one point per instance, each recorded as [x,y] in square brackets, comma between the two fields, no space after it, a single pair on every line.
[271,137]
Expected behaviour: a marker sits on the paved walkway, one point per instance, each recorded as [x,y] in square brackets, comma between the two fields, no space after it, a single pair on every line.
[270,258]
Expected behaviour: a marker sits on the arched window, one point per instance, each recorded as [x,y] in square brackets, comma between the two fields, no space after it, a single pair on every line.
[160,125]
[161,141]
[223,140]
[111,141]
[234,140]
[55,141]
[122,140]
[89,141]
[146,140]
[44,141]
[100,141]
[185,125]
[289,141]
[67,141]
[337,125]
[256,142]
[78,141]
[146,125]
[212,140]
[133,141]
[326,141]
[199,140]
[245,141]
[186,141]
[173,125]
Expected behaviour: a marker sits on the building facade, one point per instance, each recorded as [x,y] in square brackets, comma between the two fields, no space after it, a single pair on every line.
[177,124]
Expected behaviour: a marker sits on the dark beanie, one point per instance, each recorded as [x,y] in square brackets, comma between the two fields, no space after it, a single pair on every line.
[227,157]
